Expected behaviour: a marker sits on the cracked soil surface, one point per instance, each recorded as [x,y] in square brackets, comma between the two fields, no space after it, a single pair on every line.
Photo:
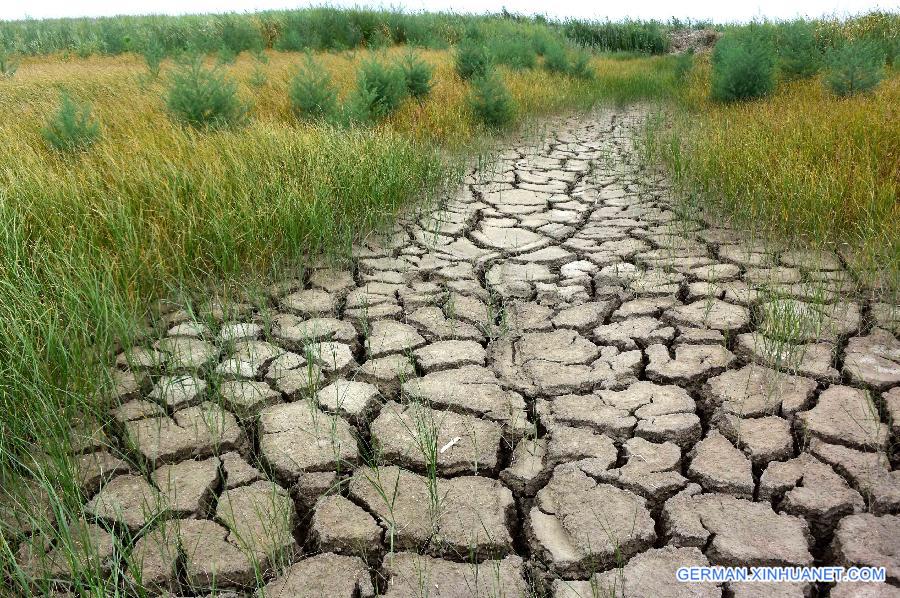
[550,385]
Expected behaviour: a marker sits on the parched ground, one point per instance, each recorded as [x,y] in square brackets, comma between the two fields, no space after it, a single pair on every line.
[550,386]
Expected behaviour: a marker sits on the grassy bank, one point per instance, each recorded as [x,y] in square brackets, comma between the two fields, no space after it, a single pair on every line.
[801,164]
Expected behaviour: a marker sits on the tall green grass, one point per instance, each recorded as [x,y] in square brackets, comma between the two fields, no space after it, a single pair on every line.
[880,28]
[79,277]
[77,273]
[315,29]
[628,36]
[327,28]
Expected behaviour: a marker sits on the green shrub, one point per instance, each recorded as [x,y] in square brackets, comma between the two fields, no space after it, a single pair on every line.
[540,41]
[257,77]
[471,59]
[153,55]
[580,65]
[290,41]
[379,39]
[312,92]
[417,74]
[87,46]
[473,33]
[325,28]
[239,34]
[743,66]
[72,127]
[577,63]
[515,52]
[491,102]
[799,56]
[8,64]
[379,91]
[114,39]
[203,97]
[226,55]
[856,67]
[556,60]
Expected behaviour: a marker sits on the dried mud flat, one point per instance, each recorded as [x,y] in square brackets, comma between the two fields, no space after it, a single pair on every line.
[551,386]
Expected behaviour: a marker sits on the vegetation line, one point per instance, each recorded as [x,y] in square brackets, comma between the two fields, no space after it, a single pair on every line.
[315,29]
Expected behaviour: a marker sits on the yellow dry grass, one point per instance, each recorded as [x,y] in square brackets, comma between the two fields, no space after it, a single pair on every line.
[801,163]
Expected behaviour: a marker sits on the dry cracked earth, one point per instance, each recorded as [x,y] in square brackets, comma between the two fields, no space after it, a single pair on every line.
[551,385]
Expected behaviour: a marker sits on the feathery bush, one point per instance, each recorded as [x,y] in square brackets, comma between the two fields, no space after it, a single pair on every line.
[417,74]
[379,91]
[799,56]
[471,59]
[556,60]
[743,65]
[514,51]
[378,40]
[856,67]
[312,92]
[540,41]
[257,77]
[580,65]
[153,53]
[204,97]
[72,127]
[491,102]
[226,55]
[239,34]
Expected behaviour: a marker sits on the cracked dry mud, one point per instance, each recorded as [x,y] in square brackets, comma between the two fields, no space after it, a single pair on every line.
[550,385]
